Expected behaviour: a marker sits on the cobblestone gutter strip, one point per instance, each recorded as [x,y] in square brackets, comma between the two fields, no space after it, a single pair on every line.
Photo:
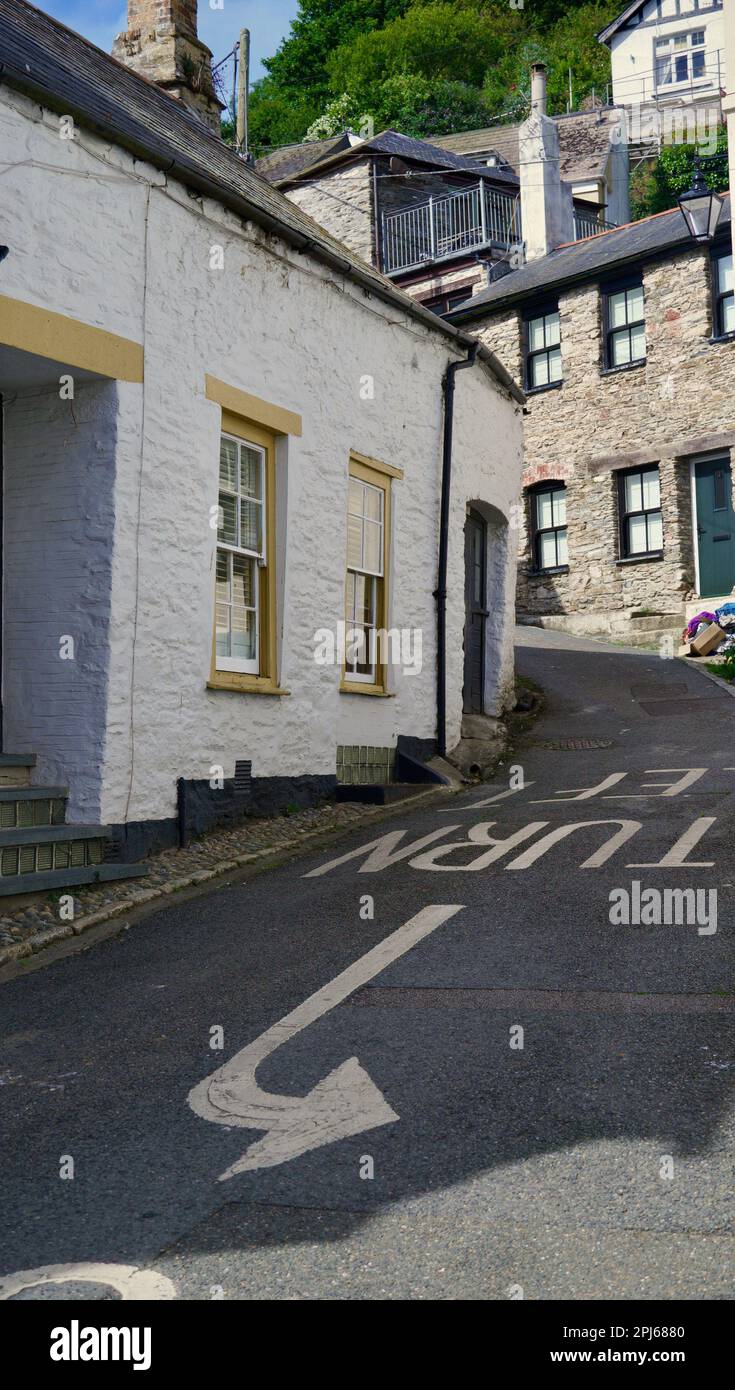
[29,930]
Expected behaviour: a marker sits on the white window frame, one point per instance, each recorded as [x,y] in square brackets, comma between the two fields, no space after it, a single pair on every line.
[671,54]
[229,663]
[351,676]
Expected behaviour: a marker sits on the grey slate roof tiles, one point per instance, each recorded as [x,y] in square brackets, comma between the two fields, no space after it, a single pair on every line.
[665,232]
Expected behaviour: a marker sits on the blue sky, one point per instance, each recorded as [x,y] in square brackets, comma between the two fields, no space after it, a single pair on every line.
[268,21]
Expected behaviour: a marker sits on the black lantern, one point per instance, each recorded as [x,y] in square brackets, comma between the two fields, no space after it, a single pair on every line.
[700,206]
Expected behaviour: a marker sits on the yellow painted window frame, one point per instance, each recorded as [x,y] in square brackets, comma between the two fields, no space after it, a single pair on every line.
[266,682]
[378,475]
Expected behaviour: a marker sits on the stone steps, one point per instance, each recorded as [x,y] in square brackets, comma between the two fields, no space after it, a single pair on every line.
[39,849]
[46,881]
[24,807]
[706,605]
[15,769]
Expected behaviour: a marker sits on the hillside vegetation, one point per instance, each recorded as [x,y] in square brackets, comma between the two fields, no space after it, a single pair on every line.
[425,67]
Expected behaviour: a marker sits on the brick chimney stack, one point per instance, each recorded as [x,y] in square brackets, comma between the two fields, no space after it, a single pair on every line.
[161,44]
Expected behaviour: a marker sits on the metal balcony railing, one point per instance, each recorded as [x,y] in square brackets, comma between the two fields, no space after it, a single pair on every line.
[447,226]
[587,224]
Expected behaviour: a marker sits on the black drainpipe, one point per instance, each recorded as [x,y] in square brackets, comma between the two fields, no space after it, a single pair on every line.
[440,593]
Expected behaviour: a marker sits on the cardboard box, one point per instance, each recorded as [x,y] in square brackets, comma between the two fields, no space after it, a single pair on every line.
[708,639]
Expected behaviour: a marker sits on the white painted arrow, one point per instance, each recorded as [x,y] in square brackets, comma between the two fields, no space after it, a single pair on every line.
[346,1102]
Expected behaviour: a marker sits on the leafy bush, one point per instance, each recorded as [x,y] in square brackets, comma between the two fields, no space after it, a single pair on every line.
[656,187]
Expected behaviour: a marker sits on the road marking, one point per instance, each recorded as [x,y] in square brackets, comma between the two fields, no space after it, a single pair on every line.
[346,1102]
[382,852]
[489,801]
[583,793]
[691,775]
[477,835]
[129,1281]
[627,829]
[677,855]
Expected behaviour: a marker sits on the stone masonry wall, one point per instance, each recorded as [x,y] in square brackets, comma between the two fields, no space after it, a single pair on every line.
[679,403]
[342,203]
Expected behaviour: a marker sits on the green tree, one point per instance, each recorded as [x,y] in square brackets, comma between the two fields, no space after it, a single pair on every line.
[415,106]
[438,42]
[426,66]
[321,26]
[278,116]
[656,186]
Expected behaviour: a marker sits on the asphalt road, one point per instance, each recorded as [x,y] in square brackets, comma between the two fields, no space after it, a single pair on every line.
[594,1162]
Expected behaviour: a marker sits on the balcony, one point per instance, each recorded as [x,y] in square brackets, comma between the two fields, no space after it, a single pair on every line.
[587,224]
[445,227]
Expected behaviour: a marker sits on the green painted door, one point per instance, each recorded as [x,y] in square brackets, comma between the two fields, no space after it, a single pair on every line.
[715,527]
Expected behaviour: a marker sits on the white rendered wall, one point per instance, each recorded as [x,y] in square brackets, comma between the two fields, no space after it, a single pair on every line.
[632,53]
[284,329]
[59,482]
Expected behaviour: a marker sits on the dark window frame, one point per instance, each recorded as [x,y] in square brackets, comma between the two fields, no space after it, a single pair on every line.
[537,311]
[717,254]
[608,289]
[449,301]
[624,516]
[536,531]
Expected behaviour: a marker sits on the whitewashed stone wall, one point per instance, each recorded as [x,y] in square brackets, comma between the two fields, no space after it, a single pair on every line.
[59,481]
[122,248]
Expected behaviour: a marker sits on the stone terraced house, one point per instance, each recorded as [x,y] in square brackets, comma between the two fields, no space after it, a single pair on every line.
[625,345]
[225,440]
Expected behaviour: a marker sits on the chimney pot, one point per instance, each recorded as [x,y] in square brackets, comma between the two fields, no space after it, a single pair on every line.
[538,89]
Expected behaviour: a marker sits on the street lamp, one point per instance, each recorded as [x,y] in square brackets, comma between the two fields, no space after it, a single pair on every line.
[700,206]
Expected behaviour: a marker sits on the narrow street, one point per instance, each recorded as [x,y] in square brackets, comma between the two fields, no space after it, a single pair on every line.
[592,1162]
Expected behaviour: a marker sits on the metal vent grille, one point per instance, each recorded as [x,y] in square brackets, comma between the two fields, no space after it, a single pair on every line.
[243,777]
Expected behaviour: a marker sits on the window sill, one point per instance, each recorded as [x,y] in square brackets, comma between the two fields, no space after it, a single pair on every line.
[377,691]
[722,338]
[539,390]
[243,685]
[624,367]
[542,574]
[698,84]
[641,559]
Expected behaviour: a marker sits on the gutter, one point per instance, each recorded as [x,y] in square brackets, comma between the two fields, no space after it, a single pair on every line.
[579,277]
[440,593]
[249,211]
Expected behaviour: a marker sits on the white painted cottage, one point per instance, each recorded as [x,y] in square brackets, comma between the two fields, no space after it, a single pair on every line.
[224,436]
[667,51]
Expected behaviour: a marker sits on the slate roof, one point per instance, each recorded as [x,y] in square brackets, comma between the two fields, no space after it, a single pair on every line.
[288,161]
[390,142]
[652,237]
[66,73]
[612,28]
[584,143]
